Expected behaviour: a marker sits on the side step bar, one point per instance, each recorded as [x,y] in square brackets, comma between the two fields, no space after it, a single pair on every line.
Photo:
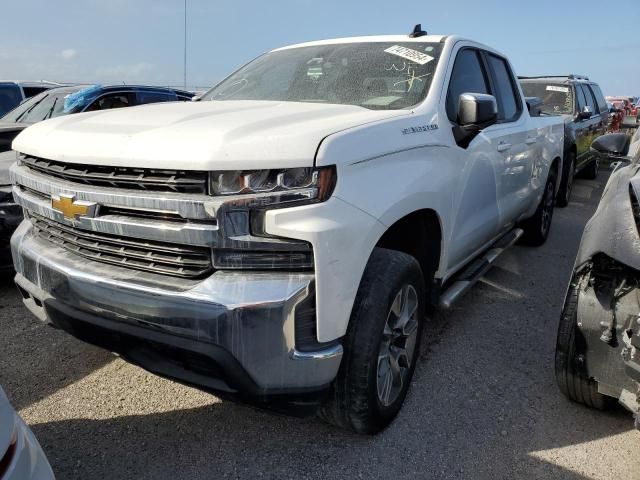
[469,275]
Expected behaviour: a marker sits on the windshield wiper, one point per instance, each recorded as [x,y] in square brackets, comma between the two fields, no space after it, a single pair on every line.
[48,115]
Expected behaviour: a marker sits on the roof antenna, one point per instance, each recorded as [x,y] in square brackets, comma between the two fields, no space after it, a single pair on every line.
[417,31]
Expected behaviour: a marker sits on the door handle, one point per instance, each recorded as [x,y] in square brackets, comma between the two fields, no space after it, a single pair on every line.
[530,140]
[503,146]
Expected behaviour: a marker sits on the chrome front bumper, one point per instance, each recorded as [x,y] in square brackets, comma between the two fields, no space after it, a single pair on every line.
[231,332]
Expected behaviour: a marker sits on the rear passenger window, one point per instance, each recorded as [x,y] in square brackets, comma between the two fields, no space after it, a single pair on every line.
[602,103]
[155,97]
[580,97]
[508,103]
[467,77]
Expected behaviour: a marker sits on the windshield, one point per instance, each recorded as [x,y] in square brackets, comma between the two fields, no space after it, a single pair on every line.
[10,97]
[44,106]
[556,98]
[371,75]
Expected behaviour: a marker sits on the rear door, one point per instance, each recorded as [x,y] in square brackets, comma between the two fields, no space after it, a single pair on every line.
[515,141]
[595,125]
[581,129]
[601,111]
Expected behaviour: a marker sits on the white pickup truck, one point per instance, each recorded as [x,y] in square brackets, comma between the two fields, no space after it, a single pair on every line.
[280,240]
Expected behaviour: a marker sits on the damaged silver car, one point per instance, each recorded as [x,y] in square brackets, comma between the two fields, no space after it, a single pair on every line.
[598,348]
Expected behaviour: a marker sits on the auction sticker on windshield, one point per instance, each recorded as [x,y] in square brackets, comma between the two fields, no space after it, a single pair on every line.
[554,88]
[410,54]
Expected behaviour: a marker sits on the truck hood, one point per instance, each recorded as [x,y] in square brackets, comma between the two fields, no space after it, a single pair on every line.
[196,135]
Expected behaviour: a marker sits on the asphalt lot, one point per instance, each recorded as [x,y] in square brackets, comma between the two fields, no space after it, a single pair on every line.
[484,404]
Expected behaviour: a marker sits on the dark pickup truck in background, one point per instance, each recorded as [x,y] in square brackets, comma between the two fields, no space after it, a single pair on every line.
[582,104]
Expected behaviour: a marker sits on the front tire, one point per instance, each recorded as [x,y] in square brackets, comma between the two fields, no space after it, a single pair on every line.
[570,360]
[381,346]
[536,229]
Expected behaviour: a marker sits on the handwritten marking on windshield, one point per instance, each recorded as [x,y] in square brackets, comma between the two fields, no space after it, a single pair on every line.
[394,68]
[411,78]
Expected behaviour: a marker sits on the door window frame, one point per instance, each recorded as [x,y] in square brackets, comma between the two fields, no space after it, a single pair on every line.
[485,74]
[496,91]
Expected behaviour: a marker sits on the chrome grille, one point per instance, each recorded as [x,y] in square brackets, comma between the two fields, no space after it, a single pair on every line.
[183,181]
[138,254]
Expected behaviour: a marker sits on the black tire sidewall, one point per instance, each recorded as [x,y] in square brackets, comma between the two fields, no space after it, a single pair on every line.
[551,183]
[386,272]
[412,277]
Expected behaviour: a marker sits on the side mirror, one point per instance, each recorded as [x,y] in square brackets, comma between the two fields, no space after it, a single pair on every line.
[587,112]
[477,111]
[534,105]
[612,145]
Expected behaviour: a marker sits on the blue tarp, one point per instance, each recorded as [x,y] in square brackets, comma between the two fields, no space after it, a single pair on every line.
[81,97]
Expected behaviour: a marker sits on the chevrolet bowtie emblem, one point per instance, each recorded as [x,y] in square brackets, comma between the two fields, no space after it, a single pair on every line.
[72,208]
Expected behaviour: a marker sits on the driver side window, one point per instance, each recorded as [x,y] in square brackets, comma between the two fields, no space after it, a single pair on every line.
[467,76]
[107,102]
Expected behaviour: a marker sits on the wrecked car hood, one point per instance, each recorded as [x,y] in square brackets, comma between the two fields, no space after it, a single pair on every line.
[612,230]
[196,135]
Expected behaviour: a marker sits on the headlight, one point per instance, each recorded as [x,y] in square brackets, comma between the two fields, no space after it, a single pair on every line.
[241,199]
[320,182]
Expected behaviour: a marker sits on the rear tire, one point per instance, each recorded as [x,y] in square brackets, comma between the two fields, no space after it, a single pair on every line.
[591,170]
[566,185]
[571,361]
[536,229]
[381,346]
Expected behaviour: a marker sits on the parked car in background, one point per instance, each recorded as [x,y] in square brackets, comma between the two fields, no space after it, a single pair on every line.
[586,116]
[279,240]
[623,103]
[81,98]
[21,457]
[598,346]
[13,94]
[616,114]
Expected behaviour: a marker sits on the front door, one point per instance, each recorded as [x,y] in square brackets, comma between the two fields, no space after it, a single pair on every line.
[476,214]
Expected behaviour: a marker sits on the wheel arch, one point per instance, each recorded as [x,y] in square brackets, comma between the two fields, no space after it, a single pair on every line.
[419,234]
[556,168]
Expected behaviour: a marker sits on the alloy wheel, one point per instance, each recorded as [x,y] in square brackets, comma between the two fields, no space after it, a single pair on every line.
[397,346]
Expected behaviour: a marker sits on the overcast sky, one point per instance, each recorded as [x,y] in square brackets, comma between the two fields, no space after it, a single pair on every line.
[141,41]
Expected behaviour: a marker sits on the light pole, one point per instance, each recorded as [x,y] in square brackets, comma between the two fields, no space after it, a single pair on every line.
[185,45]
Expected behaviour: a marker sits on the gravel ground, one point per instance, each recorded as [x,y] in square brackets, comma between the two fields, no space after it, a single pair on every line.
[484,403]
